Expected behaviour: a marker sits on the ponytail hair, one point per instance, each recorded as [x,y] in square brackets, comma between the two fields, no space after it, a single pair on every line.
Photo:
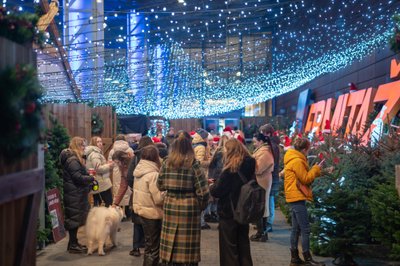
[263,138]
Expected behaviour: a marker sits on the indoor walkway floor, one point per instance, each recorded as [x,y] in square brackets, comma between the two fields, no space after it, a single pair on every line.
[274,252]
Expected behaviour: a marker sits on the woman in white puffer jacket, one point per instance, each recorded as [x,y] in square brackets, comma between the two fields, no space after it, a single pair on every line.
[96,160]
[148,201]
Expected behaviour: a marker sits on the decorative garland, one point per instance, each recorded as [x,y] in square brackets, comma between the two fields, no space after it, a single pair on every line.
[97,124]
[20,111]
[395,39]
[20,27]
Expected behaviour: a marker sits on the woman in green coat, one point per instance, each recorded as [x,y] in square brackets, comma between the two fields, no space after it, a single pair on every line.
[187,190]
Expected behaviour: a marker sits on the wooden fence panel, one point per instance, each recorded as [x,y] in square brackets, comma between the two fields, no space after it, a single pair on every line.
[76,117]
[12,53]
[106,114]
[21,185]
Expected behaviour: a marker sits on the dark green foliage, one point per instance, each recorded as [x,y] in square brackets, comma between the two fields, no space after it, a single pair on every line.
[20,112]
[20,27]
[357,203]
[52,176]
[342,215]
[97,125]
[57,140]
[395,38]
[385,210]
[384,200]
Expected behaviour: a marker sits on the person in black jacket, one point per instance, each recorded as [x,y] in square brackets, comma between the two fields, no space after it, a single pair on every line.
[234,244]
[76,189]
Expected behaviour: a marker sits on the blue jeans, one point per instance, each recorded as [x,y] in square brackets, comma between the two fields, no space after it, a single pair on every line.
[300,225]
[271,217]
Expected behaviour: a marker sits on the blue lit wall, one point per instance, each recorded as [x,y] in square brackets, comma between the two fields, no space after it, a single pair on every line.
[84,37]
[136,54]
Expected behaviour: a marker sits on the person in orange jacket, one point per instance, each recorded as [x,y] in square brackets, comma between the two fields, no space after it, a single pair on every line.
[297,172]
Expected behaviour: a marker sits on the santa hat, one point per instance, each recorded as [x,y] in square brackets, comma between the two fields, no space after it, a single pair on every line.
[327,128]
[192,133]
[321,138]
[216,139]
[353,87]
[288,141]
[227,131]
[239,138]
[155,140]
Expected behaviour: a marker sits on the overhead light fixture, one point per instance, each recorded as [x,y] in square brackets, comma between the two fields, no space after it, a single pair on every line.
[181,1]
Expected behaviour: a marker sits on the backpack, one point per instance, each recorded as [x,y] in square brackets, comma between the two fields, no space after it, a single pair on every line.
[250,207]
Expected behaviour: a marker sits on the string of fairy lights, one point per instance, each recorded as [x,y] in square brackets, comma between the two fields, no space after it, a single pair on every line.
[215,57]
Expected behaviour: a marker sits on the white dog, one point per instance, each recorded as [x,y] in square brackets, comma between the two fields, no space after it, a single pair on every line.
[101,223]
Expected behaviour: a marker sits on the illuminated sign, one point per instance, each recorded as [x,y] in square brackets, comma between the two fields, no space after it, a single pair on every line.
[355,107]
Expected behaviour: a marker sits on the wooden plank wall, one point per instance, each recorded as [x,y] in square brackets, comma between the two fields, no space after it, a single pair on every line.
[106,114]
[76,117]
[188,124]
[13,53]
[19,202]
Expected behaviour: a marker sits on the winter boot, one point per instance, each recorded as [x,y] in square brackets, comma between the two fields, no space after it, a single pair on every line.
[259,237]
[295,260]
[308,260]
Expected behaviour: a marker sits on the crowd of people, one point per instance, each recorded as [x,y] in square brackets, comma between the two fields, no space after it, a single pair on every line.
[173,185]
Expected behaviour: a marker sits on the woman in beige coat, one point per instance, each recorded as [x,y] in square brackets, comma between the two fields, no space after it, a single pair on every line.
[120,144]
[264,168]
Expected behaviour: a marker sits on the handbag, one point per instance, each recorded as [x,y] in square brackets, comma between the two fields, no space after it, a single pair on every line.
[305,189]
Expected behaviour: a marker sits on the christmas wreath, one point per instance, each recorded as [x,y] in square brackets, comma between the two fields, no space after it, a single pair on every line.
[20,111]
[97,124]
[20,27]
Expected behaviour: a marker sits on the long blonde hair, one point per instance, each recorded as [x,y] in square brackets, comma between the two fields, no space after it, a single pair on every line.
[234,154]
[222,141]
[75,145]
[182,153]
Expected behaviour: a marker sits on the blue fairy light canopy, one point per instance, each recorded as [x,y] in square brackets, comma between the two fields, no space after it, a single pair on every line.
[184,58]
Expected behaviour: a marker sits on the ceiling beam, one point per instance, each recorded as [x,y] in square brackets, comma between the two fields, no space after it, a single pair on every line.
[63,54]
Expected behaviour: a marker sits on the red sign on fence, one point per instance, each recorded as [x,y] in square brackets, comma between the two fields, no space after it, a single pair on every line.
[55,211]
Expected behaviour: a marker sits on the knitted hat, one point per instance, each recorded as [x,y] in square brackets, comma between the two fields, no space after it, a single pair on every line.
[327,128]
